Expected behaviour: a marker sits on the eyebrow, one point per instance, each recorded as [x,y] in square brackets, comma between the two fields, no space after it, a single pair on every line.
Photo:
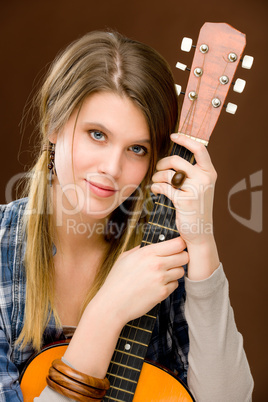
[103,128]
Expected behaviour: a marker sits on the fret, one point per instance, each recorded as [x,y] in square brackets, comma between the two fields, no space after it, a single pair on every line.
[154,235]
[153,311]
[120,395]
[123,371]
[113,399]
[136,334]
[123,385]
[135,348]
[121,389]
[132,340]
[164,200]
[150,316]
[124,365]
[164,205]
[124,360]
[121,378]
[133,326]
[164,227]
[144,321]
[129,354]
[119,382]
[146,242]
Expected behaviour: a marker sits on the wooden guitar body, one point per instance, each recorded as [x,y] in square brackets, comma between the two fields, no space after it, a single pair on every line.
[155,383]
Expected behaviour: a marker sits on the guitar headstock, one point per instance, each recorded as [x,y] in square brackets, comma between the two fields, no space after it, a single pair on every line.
[217,55]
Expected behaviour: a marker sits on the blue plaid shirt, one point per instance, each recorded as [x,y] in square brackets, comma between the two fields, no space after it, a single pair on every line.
[169,344]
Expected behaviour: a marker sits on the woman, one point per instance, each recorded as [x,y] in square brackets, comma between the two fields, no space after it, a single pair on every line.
[70,250]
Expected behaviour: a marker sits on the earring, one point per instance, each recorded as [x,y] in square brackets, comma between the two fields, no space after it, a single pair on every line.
[51,166]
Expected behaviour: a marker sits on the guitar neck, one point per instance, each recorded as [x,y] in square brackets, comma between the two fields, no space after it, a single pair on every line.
[126,364]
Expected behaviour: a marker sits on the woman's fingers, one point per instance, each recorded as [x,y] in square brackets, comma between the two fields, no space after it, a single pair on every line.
[166,248]
[174,274]
[175,163]
[198,149]
[166,176]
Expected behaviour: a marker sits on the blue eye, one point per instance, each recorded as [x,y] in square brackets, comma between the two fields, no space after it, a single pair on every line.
[139,150]
[97,135]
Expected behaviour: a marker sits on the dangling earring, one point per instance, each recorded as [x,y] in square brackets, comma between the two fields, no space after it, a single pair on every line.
[51,166]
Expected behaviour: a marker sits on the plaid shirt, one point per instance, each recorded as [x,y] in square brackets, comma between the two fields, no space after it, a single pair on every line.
[169,344]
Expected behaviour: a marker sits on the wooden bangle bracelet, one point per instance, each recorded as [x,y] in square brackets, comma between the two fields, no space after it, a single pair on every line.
[74,385]
[102,384]
[70,394]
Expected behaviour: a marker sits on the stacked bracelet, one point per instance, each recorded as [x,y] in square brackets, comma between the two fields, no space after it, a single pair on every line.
[74,384]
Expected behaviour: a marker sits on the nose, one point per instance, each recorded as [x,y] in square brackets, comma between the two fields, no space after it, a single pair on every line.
[111,163]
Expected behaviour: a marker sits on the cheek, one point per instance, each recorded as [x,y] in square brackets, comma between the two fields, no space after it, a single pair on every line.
[133,177]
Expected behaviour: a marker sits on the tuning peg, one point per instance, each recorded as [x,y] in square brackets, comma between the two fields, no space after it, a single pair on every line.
[181,66]
[247,62]
[186,44]
[239,85]
[231,108]
[178,89]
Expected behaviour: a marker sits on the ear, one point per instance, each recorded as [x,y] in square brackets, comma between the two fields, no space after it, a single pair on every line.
[53,137]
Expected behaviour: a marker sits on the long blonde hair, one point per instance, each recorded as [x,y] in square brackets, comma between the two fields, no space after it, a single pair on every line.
[99,61]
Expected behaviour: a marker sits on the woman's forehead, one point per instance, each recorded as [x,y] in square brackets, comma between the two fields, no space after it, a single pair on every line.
[114,114]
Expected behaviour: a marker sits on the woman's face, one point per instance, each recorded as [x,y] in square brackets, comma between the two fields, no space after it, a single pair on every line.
[104,161]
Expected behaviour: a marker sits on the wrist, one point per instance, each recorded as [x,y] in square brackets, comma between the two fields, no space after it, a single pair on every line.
[203,258]
[104,310]
[93,343]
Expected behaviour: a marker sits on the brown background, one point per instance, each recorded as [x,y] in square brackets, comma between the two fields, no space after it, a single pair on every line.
[32,32]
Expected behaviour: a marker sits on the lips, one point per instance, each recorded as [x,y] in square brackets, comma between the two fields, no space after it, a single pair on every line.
[102,186]
[101,190]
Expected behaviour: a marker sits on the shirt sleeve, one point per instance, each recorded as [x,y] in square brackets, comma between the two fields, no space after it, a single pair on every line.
[50,395]
[218,368]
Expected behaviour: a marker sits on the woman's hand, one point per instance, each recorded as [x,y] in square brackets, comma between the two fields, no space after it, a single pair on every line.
[143,277]
[193,203]
[194,200]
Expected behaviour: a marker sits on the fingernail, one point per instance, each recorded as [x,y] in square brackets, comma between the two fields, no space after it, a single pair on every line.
[174,136]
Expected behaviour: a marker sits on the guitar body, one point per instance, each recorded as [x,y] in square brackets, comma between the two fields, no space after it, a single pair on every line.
[155,383]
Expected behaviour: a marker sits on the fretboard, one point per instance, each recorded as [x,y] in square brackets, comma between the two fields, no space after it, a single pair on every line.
[126,364]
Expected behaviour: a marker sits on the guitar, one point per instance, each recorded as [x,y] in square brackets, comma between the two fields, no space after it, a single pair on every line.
[217,55]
